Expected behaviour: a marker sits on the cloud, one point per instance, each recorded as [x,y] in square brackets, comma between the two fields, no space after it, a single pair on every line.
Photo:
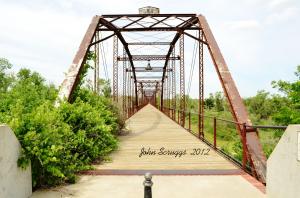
[243,25]
[279,4]
[282,15]
[41,39]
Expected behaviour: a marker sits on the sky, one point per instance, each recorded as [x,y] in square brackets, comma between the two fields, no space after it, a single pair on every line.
[259,39]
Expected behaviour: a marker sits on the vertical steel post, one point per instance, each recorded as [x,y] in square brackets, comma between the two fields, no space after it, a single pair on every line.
[136,101]
[182,81]
[244,142]
[189,121]
[215,132]
[142,94]
[162,96]
[169,93]
[128,94]
[173,85]
[115,68]
[96,61]
[132,95]
[155,98]
[124,83]
[201,88]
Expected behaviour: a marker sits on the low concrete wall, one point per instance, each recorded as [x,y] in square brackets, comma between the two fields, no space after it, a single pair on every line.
[14,181]
[283,166]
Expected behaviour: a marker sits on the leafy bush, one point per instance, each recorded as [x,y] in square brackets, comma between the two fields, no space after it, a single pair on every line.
[57,141]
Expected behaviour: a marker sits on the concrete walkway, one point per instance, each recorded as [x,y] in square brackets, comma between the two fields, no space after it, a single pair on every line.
[164,187]
[188,176]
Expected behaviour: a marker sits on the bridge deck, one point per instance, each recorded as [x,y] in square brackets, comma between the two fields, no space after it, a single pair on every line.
[151,129]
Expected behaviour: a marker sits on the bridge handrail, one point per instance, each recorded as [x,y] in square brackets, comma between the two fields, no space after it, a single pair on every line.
[231,121]
[175,115]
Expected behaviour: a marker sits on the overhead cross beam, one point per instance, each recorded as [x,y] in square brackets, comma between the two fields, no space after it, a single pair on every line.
[141,29]
[149,43]
[148,57]
[144,69]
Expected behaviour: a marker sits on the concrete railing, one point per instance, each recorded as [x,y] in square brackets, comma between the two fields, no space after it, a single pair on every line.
[14,181]
[283,166]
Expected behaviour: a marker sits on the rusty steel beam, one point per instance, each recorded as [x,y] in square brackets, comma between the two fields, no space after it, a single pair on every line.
[154,69]
[148,77]
[182,81]
[173,86]
[201,88]
[130,19]
[162,96]
[184,22]
[175,39]
[72,77]
[149,81]
[160,21]
[141,29]
[115,69]
[148,15]
[193,37]
[96,61]
[100,40]
[149,43]
[169,87]
[133,22]
[115,19]
[124,84]
[148,57]
[112,27]
[237,106]
[148,85]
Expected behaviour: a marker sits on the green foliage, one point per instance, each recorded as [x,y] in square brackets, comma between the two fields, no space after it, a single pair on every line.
[5,79]
[289,114]
[57,141]
[263,105]
[219,101]
[105,88]
[209,102]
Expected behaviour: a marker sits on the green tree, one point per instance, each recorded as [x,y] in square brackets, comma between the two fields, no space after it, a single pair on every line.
[210,101]
[105,88]
[260,105]
[289,114]
[5,79]
[219,101]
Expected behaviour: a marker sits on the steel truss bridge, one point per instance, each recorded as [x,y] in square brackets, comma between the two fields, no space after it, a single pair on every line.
[132,90]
